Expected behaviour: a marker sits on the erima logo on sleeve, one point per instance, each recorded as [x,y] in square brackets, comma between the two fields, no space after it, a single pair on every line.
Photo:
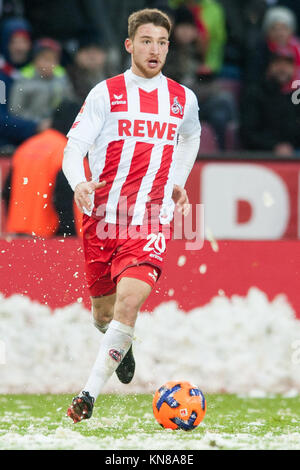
[118,100]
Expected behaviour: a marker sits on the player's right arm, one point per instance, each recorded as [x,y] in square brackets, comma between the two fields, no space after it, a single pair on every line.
[82,135]
[73,168]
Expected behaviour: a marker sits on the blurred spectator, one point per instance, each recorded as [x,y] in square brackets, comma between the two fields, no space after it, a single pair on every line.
[293,5]
[15,42]
[39,198]
[184,64]
[279,28]
[270,121]
[243,25]
[15,47]
[210,22]
[43,84]
[90,66]
[184,57]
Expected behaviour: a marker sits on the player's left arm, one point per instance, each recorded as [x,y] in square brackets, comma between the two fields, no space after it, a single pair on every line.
[186,152]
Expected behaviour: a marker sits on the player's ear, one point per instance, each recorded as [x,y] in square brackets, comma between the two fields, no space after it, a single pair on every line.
[128,45]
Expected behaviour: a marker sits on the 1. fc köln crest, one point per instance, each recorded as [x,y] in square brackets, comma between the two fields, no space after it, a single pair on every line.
[176,107]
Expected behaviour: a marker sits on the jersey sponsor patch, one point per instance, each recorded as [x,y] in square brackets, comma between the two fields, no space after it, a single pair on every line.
[177,99]
[150,129]
[117,94]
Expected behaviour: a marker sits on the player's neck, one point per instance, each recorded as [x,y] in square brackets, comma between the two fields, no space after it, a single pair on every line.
[140,76]
[144,82]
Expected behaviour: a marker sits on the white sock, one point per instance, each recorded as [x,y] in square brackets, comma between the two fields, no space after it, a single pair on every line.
[115,344]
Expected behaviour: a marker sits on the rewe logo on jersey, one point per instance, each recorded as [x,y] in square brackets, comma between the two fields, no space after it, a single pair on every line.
[151,129]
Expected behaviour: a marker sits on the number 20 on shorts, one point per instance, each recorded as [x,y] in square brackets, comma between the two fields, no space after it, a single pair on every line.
[155,242]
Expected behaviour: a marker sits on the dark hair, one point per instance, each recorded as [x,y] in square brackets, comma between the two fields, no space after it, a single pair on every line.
[148,15]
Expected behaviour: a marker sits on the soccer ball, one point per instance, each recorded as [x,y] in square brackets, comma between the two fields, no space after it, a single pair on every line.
[179,405]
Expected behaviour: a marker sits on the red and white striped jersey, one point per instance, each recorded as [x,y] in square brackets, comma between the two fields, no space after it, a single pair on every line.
[132,125]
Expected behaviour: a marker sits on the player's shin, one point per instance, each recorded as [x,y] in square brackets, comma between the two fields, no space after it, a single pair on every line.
[102,327]
[115,344]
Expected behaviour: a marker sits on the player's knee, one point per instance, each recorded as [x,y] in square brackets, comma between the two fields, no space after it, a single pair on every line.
[101,315]
[129,303]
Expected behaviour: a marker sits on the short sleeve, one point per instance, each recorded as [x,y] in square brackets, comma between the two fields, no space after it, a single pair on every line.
[190,124]
[90,119]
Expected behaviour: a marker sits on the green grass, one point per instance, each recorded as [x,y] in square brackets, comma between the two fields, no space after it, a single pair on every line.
[126,422]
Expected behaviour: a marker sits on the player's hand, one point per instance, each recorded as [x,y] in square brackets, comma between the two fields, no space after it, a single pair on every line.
[181,199]
[83,192]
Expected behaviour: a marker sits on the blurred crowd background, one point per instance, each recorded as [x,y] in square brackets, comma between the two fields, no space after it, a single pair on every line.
[241,58]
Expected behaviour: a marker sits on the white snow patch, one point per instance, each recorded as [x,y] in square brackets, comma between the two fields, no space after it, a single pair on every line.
[238,345]
[64,438]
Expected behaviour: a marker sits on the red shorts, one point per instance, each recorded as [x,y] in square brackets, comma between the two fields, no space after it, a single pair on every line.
[110,250]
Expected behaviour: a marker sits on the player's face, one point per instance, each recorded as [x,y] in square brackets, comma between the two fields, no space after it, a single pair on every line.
[148,50]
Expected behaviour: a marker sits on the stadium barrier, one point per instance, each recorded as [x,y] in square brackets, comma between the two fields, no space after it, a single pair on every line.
[251,206]
[52,272]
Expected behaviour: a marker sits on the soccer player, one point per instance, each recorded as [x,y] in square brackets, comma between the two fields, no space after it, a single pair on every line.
[142,134]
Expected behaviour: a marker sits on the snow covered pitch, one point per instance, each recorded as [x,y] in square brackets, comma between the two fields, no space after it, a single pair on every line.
[243,353]
[126,422]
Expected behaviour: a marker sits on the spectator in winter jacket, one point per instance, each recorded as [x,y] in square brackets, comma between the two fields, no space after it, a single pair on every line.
[270,121]
[184,64]
[243,27]
[210,22]
[15,47]
[293,5]
[279,27]
[43,84]
[39,198]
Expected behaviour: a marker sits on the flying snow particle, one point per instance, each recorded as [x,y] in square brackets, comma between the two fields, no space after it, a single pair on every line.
[181,260]
[202,269]
[212,240]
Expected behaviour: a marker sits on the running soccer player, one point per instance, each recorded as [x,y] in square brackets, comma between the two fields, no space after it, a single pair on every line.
[142,134]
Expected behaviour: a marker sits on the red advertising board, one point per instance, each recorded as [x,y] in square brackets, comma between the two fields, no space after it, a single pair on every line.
[52,272]
[251,210]
[242,200]
[257,200]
